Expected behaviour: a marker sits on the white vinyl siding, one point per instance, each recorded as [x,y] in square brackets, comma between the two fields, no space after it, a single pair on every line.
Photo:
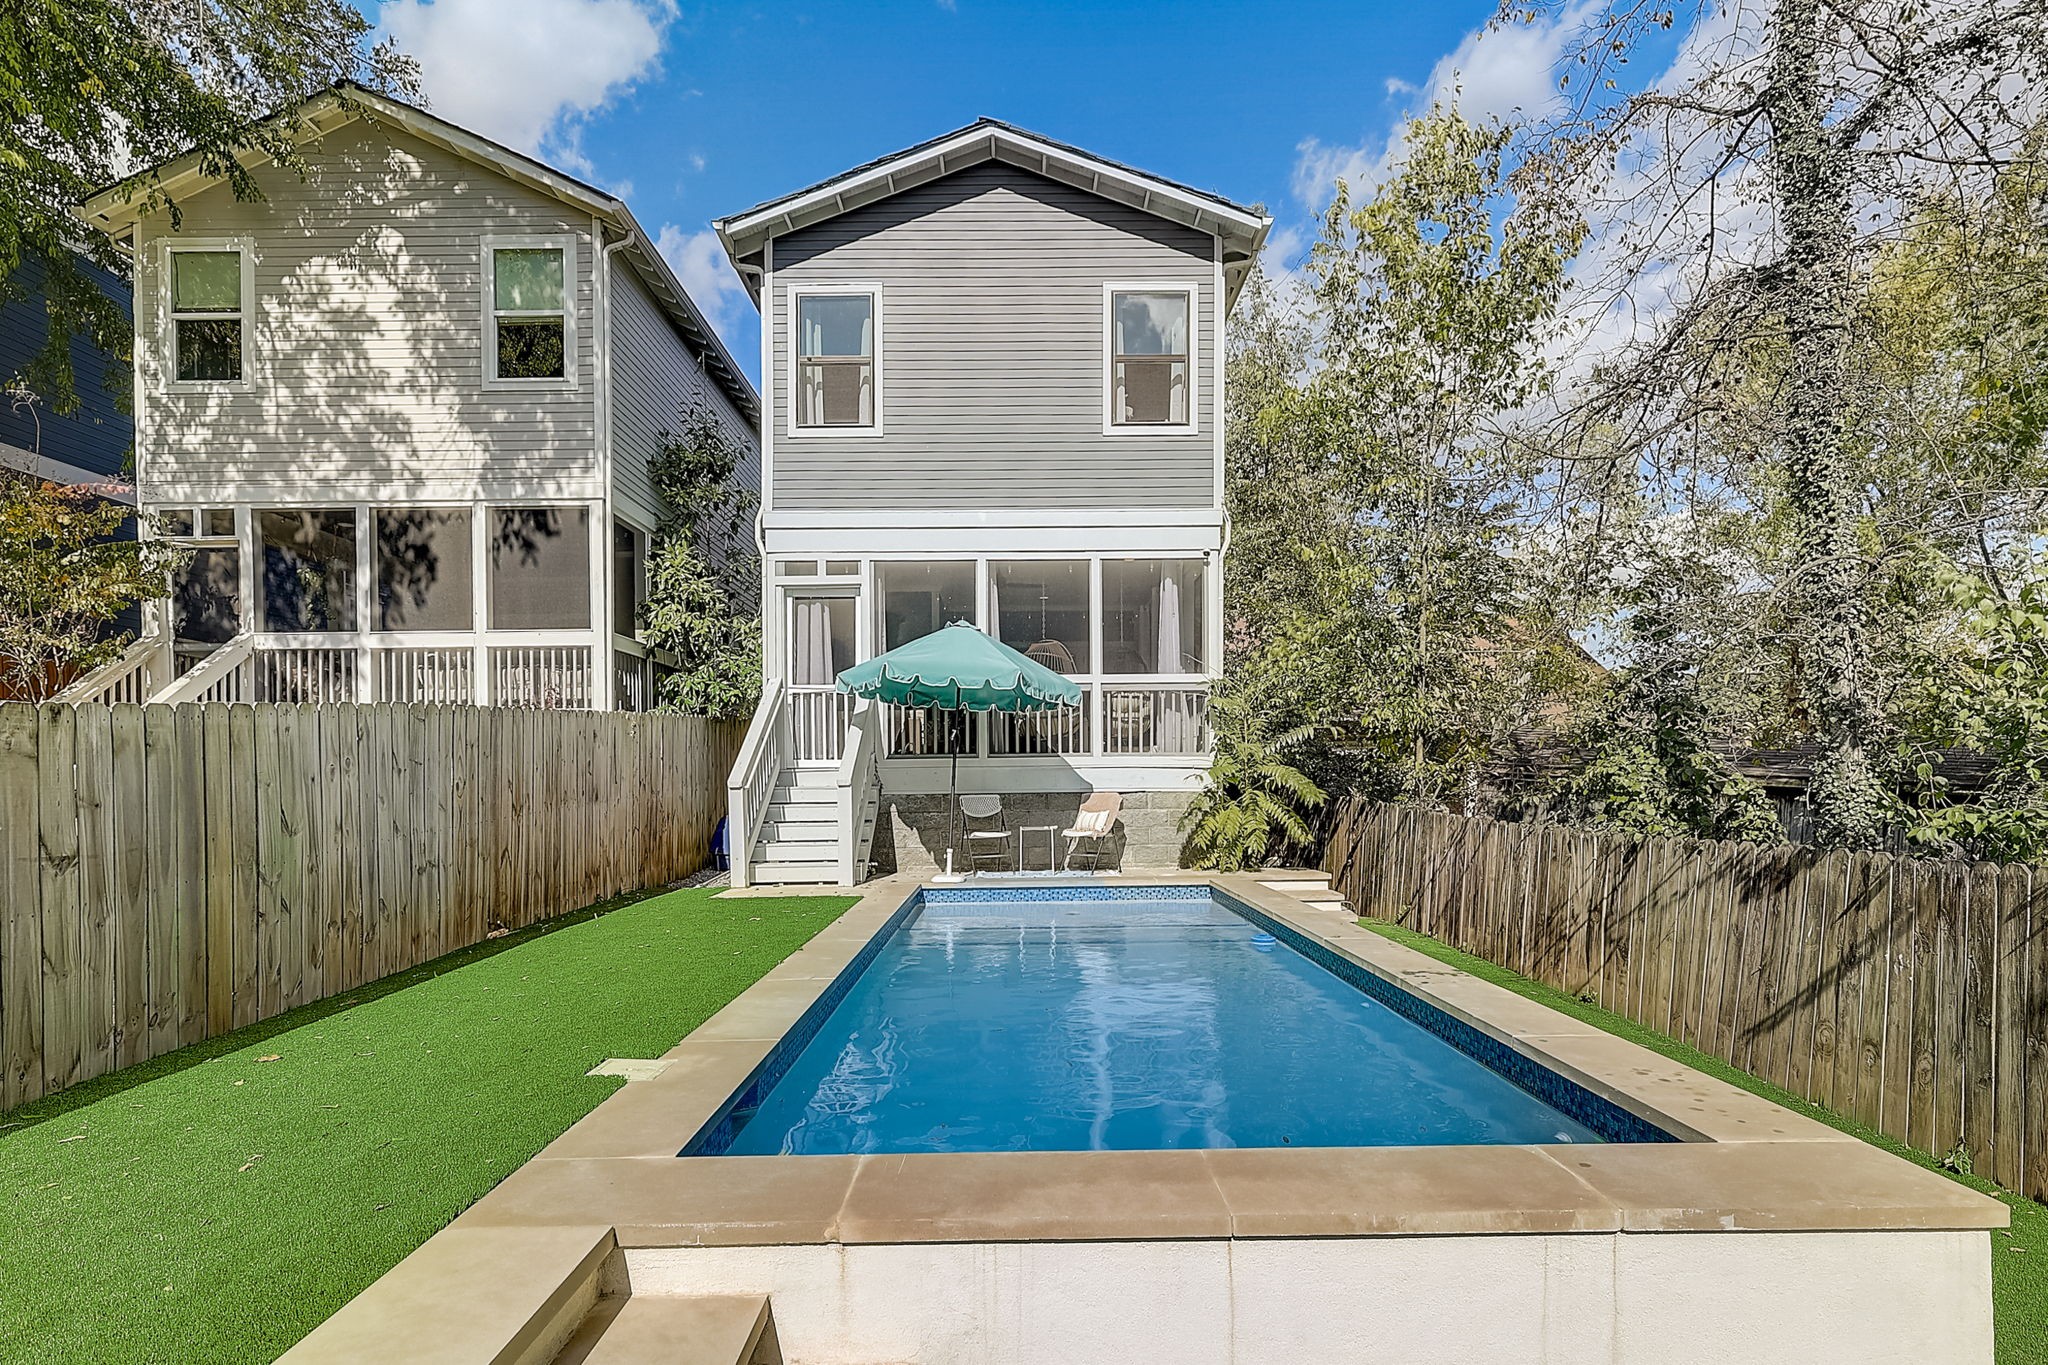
[366,354]
[993,352]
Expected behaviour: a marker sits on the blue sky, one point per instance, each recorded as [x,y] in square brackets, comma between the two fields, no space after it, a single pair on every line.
[690,112]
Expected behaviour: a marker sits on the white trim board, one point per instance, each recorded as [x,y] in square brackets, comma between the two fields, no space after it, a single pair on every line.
[109,486]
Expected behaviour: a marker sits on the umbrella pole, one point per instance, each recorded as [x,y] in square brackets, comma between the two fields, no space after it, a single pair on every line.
[953,791]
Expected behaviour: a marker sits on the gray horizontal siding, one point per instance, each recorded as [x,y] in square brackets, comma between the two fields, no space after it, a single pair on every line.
[992,352]
[368,354]
[655,382]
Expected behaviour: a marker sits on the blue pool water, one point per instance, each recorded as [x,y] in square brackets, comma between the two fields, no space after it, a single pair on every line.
[1064,1022]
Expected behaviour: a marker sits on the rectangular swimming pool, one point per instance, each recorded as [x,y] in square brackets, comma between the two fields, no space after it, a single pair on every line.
[1133,1018]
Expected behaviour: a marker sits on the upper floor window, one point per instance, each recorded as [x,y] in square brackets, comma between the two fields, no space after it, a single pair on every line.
[835,368]
[529,312]
[207,316]
[1149,358]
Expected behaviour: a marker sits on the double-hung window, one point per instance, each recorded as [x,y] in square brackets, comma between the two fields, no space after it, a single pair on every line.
[1150,370]
[208,315]
[529,300]
[835,360]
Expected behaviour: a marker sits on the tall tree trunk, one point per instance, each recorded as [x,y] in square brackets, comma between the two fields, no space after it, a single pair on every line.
[1810,172]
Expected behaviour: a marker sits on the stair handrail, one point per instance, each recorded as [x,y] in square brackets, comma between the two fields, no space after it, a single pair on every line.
[752,780]
[856,786]
[221,676]
[134,675]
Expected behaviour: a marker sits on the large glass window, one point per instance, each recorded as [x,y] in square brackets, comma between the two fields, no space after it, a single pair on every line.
[206,315]
[1152,616]
[540,568]
[425,571]
[1041,608]
[835,360]
[529,312]
[913,600]
[306,579]
[1149,359]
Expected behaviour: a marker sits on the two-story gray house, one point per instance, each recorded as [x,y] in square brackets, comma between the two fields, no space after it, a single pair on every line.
[993,367]
[402,410]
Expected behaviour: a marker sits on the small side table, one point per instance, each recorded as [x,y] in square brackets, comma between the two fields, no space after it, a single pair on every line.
[1052,845]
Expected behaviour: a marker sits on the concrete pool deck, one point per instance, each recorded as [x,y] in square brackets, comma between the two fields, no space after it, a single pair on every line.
[1800,1242]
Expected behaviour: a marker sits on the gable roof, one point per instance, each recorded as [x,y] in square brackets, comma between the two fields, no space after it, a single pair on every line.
[117,208]
[1242,229]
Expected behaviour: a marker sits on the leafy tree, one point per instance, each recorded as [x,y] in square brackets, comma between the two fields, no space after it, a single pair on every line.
[1433,300]
[1656,728]
[1988,691]
[1255,805]
[1822,114]
[697,605]
[63,576]
[90,89]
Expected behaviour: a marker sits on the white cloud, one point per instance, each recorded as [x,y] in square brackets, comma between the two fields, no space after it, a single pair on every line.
[1499,71]
[528,73]
[699,262]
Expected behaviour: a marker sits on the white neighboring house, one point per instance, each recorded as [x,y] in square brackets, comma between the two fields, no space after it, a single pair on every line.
[994,375]
[402,411]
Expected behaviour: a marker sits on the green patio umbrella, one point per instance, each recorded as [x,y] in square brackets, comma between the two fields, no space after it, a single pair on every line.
[959,668]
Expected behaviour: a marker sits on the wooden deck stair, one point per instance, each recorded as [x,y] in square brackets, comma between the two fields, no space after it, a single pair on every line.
[675,1329]
[799,843]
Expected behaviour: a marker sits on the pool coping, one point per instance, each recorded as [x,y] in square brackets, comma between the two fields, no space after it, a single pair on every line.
[1743,1164]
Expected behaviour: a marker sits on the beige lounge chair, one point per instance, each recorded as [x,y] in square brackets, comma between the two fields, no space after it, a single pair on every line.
[1096,821]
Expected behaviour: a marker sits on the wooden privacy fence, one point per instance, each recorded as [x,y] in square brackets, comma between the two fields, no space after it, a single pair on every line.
[171,873]
[1909,994]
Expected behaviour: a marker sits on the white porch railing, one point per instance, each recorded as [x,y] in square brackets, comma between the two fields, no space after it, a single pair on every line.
[859,792]
[1061,731]
[817,725]
[141,670]
[546,677]
[1156,719]
[751,784]
[441,676]
[224,675]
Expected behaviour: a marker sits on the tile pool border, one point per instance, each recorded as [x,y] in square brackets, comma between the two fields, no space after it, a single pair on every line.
[1743,1163]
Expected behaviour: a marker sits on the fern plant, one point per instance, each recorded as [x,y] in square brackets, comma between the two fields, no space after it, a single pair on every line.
[1256,803]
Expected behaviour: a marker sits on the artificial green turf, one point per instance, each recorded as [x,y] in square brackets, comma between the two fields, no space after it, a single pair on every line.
[213,1205]
[2019,1256]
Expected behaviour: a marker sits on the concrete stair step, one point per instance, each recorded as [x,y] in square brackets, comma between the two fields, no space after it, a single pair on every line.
[675,1329]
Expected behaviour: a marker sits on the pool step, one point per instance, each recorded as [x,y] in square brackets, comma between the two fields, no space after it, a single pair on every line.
[1309,887]
[675,1329]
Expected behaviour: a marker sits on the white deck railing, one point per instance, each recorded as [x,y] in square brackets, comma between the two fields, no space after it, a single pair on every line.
[142,670]
[859,791]
[817,725]
[224,675]
[1149,720]
[751,785]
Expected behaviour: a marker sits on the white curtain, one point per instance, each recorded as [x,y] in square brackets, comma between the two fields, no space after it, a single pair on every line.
[1172,723]
[810,646]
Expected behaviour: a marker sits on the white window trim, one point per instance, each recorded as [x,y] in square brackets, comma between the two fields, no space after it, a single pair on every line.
[492,244]
[1192,292]
[796,430]
[167,323]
